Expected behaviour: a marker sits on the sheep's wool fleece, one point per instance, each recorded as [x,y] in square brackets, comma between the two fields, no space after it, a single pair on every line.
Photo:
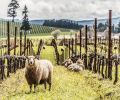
[43,67]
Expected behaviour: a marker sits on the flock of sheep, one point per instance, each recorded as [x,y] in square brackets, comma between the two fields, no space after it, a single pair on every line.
[40,71]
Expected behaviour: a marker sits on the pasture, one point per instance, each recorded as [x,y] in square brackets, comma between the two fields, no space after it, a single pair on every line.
[66,85]
[100,56]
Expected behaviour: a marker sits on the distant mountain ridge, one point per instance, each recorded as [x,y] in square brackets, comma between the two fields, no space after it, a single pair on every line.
[115,21]
[39,22]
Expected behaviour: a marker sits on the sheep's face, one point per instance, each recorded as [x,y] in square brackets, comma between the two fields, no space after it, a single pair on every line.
[68,62]
[79,61]
[31,60]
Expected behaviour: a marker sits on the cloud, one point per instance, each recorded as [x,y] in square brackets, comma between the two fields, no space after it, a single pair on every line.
[61,9]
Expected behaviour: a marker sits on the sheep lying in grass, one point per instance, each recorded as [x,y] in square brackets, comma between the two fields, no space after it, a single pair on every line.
[38,72]
[67,62]
[78,66]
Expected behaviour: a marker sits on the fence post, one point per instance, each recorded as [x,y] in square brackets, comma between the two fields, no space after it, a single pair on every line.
[30,48]
[27,47]
[25,33]
[15,41]
[20,43]
[95,45]
[116,71]
[8,50]
[69,48]
[86,46]
[72,46]
[110,47]
[119,45]
[75,44]
[80,42]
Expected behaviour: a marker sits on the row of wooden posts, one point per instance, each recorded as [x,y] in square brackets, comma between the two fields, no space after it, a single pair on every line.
[16,61]
[72,45]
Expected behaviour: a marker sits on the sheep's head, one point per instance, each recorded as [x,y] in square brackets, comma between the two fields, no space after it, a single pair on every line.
[31,60]
[68,62]
[79,61]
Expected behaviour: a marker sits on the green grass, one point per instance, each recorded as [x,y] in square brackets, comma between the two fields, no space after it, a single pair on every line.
[66,86]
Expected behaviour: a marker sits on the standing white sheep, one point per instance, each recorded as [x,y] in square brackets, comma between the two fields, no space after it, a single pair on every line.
[38,72]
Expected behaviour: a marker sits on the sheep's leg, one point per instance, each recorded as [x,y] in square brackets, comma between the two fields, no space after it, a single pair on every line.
[49,82]
[45,84]
[35,87]
[30,88]
[49,86]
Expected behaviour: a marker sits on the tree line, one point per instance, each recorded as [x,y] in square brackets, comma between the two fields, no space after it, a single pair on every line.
[68,24]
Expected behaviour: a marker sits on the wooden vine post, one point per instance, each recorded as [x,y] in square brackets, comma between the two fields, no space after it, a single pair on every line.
[110,47]
[75,44]
[95,45]
[20,43]
[25,33]
[80,36]
[72,47]
[15,41]
[86,39]
[8,50]
[69,48]
[119,45]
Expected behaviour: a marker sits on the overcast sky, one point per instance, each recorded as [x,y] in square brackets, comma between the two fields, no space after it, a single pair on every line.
[64,9]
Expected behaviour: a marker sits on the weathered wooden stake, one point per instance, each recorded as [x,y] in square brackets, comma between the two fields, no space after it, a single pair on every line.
[25,33]
[110,47]
[27,47]
[75,44]
[8,40]
[80,43]
[20,43]
[86,39]
[116,71]
[72,47]
[30,48]
[95,45]
[69,48]
[119,44]
[15,41]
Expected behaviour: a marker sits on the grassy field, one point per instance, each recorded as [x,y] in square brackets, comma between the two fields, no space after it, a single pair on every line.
[66,85]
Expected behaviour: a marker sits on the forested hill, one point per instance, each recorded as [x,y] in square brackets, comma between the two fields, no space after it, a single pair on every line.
[68,24]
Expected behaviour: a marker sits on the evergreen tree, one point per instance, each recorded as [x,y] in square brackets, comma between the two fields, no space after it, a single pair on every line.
[12,7]
[25,25]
